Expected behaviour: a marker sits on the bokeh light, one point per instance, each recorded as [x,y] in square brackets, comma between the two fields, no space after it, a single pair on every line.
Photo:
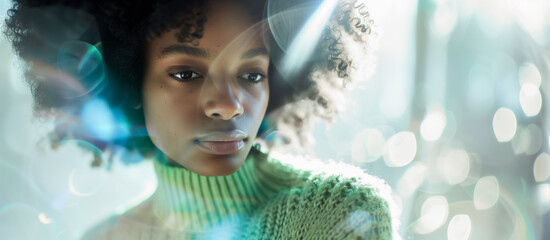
[44,219]
[541,168]
[529,74]
[530,99]
[486,192]
[460,227]
[433,125]
[504,124]
[454,166]
[433,215]
[400,149]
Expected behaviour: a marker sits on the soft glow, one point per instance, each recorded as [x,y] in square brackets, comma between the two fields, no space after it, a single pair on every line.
[411,180]
[303,45]
[433,213]
[400,149]
[529,74]
[433,125]
[459,227]
[504,124]
[541,168]
[43,219]
[367,146]
[455,166]
[486,193]
[530,99]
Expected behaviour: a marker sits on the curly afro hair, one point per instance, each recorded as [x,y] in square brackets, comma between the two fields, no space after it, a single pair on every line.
[121,29]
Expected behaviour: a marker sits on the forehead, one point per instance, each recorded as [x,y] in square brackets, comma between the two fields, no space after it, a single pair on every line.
[228,24]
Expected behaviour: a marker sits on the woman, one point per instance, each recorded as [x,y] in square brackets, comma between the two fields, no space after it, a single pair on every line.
[204,80]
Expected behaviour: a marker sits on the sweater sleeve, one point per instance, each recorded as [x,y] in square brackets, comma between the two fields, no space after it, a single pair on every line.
[345,209]
[328,208]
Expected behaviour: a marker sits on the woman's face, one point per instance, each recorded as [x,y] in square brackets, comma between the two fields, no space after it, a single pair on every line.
[204,104]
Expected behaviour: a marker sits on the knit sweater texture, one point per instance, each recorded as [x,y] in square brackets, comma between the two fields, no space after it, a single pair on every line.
[264,199]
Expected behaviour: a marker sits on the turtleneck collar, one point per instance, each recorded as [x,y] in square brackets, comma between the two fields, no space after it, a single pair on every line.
[186,201]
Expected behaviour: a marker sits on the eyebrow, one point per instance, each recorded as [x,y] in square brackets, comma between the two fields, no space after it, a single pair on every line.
[203,53]
[182,49]
[252,53]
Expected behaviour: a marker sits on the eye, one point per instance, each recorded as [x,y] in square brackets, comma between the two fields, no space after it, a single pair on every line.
[253,77]
[184,76]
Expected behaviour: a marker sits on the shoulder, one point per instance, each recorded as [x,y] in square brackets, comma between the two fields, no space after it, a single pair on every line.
[338,201]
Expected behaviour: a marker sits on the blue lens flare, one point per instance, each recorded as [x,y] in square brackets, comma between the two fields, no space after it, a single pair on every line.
[103,122]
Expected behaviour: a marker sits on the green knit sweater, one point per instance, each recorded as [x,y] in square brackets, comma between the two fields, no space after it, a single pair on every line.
[264,199]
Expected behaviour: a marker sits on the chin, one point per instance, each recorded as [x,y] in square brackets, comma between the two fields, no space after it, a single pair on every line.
[217,165]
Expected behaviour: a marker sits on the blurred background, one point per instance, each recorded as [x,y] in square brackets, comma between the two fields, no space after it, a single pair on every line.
[455,119]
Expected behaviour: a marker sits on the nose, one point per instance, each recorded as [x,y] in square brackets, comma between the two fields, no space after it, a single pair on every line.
[221,101]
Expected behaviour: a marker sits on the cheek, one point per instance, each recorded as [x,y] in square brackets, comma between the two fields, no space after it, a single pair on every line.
[168,110]
[258,104]
[267,93]
[153,105]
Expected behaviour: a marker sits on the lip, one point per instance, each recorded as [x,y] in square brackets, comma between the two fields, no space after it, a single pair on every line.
[222,142]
